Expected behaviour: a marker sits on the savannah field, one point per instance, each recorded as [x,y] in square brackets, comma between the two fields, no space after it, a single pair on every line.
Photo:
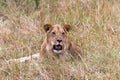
[95,27]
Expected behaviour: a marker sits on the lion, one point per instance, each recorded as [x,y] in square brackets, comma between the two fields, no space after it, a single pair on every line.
[56,42]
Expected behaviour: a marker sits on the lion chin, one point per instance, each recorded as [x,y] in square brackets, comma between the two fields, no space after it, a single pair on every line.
[57,51]
[57,42]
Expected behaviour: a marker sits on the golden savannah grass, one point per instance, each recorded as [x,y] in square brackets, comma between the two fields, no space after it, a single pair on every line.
[95,27]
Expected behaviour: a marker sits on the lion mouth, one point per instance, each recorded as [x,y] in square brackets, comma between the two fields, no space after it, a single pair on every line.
[57,47]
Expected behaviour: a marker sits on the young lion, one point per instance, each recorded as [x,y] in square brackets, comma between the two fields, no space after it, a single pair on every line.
[57,43]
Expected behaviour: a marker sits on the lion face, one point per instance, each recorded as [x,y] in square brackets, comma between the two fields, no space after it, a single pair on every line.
[57,37]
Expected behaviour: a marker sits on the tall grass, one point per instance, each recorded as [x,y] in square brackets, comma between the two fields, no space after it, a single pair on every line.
[95,27]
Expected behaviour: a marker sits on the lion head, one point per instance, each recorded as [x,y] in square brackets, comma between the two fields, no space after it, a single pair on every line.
[56,36]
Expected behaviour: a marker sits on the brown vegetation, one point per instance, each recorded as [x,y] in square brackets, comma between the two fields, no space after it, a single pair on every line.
[96,28]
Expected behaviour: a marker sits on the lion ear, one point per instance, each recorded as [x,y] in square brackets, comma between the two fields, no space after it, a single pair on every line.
[47,27]
[67,27]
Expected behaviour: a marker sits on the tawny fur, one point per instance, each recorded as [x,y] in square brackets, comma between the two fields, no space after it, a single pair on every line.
[69,46]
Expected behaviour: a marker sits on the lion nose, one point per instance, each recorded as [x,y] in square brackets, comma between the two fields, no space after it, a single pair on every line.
[59,40]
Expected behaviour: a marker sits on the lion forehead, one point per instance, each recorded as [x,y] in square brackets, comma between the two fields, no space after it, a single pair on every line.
[58,27]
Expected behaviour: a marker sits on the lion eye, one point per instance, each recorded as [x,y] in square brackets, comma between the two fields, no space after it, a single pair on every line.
[53,33]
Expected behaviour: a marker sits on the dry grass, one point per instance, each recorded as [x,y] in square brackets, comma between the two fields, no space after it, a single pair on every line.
[95,26]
